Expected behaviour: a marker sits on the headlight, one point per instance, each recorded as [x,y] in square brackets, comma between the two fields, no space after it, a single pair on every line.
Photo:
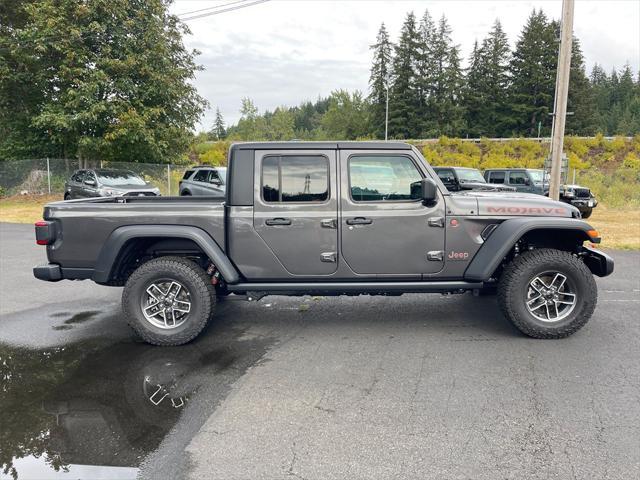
[569,193]
[156,191]
[110,192]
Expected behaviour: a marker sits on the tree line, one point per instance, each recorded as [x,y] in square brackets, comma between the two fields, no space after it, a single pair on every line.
[501,93]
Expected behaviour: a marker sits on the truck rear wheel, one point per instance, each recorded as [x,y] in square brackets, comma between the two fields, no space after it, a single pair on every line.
[547,293]
[168,301]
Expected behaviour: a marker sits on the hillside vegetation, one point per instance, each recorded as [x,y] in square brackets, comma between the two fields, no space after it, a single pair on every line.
[610,167]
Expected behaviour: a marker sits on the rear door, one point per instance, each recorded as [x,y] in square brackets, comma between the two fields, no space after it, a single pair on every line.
[296,209]
[386,229]
[199,182]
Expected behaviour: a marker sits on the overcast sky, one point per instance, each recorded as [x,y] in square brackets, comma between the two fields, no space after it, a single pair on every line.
[283,52]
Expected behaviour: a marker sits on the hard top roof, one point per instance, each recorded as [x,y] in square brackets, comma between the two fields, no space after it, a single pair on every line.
[371,145]
[455,168]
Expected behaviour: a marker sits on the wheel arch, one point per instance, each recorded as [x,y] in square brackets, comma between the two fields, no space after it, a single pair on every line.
[559,233]
[123,241]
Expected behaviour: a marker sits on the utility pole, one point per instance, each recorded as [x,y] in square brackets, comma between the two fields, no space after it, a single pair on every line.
[386,115]
[562,92]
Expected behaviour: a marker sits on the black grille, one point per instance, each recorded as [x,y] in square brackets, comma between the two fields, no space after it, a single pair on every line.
[139,194]
[582,193]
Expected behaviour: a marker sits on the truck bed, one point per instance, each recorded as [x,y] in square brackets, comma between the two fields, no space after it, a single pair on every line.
[86,224]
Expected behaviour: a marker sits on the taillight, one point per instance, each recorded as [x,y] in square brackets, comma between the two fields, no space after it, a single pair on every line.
[45,232]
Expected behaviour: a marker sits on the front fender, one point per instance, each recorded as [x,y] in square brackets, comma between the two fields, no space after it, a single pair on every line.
[505,236]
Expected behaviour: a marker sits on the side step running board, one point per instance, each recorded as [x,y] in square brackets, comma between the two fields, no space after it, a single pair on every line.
[353,287]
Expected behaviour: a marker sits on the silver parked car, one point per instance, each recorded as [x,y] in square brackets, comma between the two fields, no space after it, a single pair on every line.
[204,180]
[102,182]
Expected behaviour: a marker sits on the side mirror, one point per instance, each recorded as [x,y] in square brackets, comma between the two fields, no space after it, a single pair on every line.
[527,181]
[429,191]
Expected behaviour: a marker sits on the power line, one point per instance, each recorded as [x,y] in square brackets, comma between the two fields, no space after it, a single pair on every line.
[217,12]
[185,14]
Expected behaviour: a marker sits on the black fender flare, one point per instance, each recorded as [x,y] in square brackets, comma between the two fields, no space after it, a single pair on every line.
[120,236]
[504,237]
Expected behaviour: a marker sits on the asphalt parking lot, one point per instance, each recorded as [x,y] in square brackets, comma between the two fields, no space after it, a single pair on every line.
[418,386]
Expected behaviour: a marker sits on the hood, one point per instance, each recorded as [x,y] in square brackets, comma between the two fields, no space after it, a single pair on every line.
[510,204]
[486,186]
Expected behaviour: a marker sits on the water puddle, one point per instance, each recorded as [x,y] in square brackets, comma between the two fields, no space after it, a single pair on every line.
[91,410]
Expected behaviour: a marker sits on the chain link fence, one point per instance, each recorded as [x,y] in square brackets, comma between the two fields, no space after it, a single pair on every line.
[48,175]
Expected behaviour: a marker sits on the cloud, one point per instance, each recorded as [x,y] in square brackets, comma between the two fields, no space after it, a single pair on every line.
[285,52]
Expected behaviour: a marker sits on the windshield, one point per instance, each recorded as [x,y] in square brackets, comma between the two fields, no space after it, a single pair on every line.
[118,177]
[470,175]
[536,175]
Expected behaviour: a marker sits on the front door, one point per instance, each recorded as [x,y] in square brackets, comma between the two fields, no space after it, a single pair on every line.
[296,209]
[386,229]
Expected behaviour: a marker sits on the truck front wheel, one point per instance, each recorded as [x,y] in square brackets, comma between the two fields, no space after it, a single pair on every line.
[547,293]
[586,213]
[168,301]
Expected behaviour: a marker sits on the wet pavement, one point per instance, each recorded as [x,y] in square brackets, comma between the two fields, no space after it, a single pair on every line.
[105,402]
[419,386]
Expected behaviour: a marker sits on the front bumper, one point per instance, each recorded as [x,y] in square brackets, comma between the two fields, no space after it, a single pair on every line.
[50,272]
[598,262]
[584,203]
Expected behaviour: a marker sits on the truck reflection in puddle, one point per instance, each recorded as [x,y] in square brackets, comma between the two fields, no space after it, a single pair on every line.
[86,405]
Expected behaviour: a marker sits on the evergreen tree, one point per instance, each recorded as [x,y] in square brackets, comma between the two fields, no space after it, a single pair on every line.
[447,82]
[581,100]
[425,68]
[218,132]
[474,93]
[533,69]
[495,54]
[379,80]
[403,98]
[600,85]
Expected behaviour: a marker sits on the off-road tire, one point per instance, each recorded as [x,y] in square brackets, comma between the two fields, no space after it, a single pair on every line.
[203,298]
[586,213]
[67,196]
[513,285]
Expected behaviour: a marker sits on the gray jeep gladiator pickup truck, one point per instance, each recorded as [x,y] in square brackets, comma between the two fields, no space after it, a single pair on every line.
[327,218]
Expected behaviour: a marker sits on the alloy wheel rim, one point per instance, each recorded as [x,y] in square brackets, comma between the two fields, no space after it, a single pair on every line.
[551,297]
[166,304]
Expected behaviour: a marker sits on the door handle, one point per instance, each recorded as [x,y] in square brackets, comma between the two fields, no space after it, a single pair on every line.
[278,221]
[359,221]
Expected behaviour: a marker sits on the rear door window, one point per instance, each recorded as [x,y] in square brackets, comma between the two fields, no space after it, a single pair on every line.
[446,176]
[518,178]
[78,177]
[201,176]
[296,178]
[496,177]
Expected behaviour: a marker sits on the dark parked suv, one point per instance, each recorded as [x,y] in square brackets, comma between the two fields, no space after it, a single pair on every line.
[530,180]
[463,178]
[204,180]
[102,182]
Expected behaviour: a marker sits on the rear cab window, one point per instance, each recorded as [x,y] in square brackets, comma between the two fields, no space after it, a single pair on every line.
[187,174]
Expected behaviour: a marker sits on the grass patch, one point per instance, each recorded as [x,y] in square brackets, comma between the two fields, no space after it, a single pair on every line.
[619,227]
[24,208]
